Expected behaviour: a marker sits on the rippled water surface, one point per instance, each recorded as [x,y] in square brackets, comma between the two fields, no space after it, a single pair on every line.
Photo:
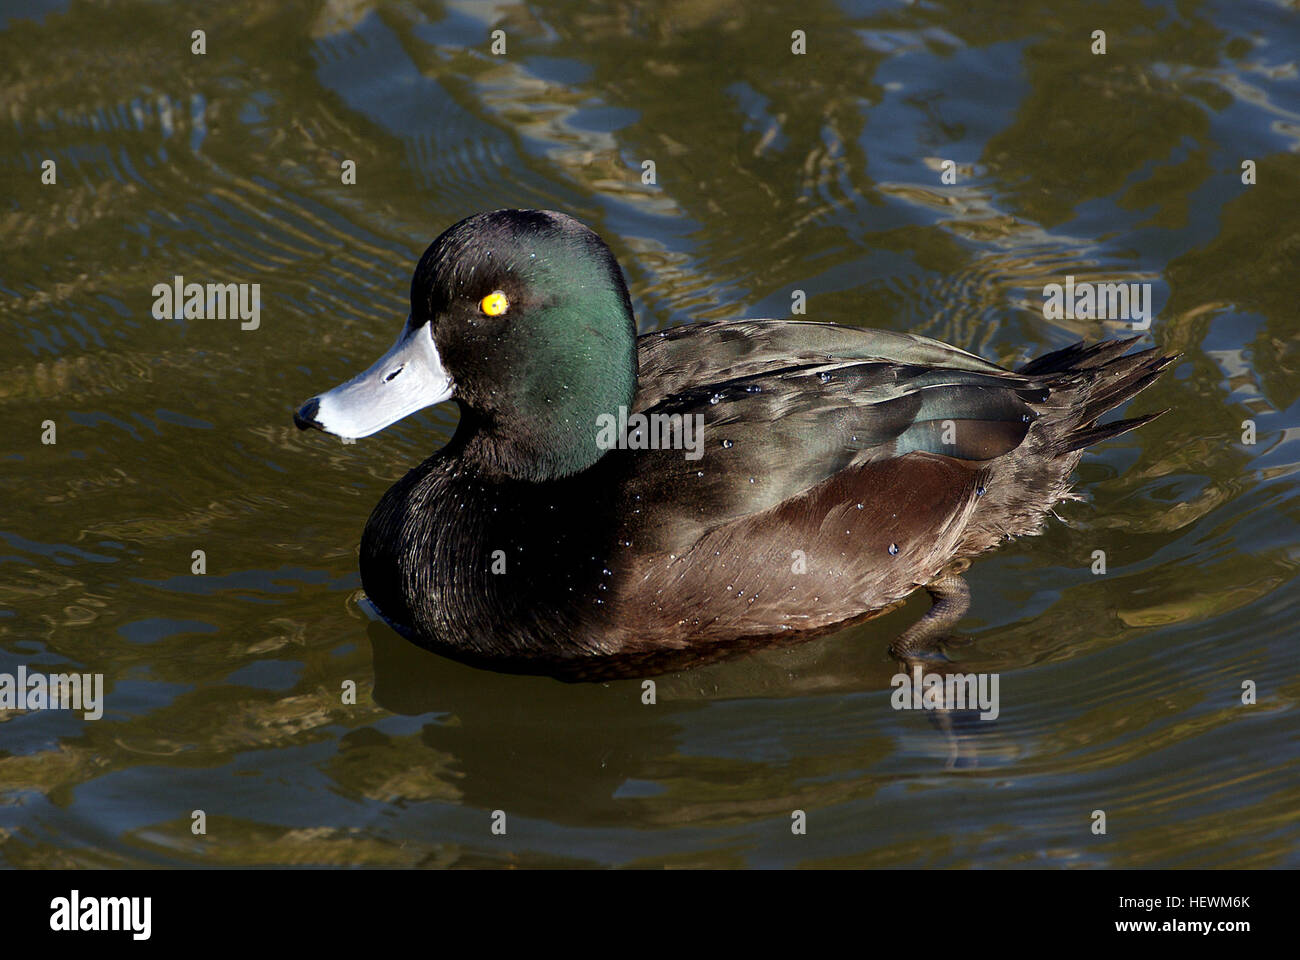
[775,172]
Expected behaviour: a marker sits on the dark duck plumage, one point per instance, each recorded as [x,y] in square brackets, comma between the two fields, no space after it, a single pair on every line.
[841,468]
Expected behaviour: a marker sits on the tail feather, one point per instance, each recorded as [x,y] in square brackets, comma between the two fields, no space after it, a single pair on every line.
[1078,357]
[1107,431]
[1122,380]
[1101,377]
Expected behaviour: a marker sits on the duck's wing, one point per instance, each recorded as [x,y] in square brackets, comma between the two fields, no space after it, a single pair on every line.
[783,405]
[673,360]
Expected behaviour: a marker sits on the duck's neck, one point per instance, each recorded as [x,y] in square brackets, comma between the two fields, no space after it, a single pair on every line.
[559,421]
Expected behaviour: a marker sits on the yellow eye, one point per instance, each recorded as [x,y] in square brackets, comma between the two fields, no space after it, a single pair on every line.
[494,304]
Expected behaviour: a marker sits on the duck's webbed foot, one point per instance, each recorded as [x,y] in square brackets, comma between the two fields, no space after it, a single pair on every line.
[921,641]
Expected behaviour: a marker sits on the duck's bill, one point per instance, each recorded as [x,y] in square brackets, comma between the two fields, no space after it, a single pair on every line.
[409,377]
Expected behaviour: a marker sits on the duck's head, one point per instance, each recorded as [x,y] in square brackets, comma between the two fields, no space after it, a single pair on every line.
[523,318]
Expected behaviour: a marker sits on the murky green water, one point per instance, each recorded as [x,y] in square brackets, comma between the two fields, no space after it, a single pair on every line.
[775,172]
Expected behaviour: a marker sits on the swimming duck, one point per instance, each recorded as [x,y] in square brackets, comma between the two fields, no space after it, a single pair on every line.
[613,504]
